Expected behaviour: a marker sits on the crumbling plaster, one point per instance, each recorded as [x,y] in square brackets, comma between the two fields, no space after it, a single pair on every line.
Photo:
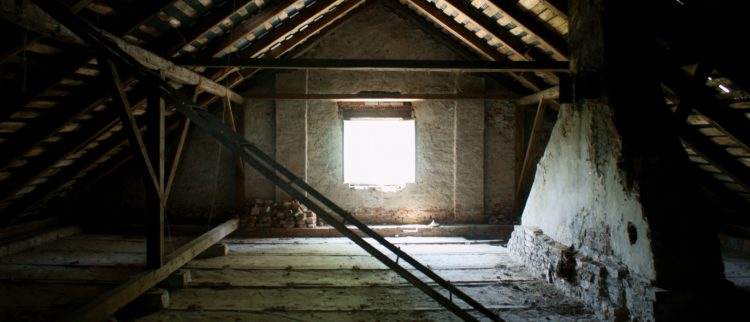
[579,197]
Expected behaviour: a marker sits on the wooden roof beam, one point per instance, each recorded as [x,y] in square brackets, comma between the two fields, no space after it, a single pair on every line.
[551,93]
[525,20]
[32,17]
[379,97]
[717,155]
[278,35]
[471,40]
[132,16]
[83,137]
[558,7]
[511,42]
[408,14]
[701,98]
[172,41]
[20,45]
[239,32]
[382,65]
[331,19]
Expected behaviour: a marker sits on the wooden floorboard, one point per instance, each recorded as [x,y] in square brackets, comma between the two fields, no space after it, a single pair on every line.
[331,279]
[281,279]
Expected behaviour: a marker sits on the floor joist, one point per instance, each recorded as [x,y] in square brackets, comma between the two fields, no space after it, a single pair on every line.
[112,301]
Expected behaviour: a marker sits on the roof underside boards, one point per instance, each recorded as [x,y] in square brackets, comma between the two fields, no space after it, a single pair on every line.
[60,131]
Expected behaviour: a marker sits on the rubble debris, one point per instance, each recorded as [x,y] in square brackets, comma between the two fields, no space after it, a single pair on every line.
[288,214]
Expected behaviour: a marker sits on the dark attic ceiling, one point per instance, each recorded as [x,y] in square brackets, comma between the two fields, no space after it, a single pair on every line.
[58,131]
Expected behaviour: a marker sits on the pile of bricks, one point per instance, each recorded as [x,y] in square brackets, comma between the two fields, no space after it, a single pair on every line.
[289,214]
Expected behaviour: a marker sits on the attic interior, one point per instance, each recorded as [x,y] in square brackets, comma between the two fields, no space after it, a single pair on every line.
[362,160]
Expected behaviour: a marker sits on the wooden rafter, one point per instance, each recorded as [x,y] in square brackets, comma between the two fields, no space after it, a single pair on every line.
[518,49]
[382,65]
[471,40]
[34,18]
[733,121]
[172,41]
[379,97]
[132,16]
[717,155]
[551,93]
[404,12]
[523,19]
[240,32]
[300,36]
[558,7]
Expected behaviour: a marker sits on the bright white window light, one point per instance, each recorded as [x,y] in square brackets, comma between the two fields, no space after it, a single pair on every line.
[379,152]
[725,89]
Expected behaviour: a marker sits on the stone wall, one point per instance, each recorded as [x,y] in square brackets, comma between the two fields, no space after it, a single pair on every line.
[449,142]
[605,285]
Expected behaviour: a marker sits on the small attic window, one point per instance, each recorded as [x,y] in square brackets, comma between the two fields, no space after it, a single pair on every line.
[379,148]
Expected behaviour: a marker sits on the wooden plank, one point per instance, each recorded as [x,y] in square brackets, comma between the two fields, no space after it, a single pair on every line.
[66,274]
[293,47]
[36,135]
[88,163]
[56,68]
[381,65]
[172,41]
[404,12]
[434,261]
[376,298]
[702,99]
[304,17]
[717,155]
[34,18]
[347,277]
[240,31]
[392,240]
[107,304]
[132,16]
[525,20]
[354,250]
[47,236]
[558,7]
[471,40]
[27,227]
[510,41]
[174,72]
[551,93]
[522,313]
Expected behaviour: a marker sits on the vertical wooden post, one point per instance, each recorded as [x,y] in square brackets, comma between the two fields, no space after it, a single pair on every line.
[239,165]
[521,189]
[155,204]
[520,152]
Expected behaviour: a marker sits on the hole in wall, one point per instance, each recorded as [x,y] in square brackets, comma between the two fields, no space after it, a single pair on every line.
[632,233]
